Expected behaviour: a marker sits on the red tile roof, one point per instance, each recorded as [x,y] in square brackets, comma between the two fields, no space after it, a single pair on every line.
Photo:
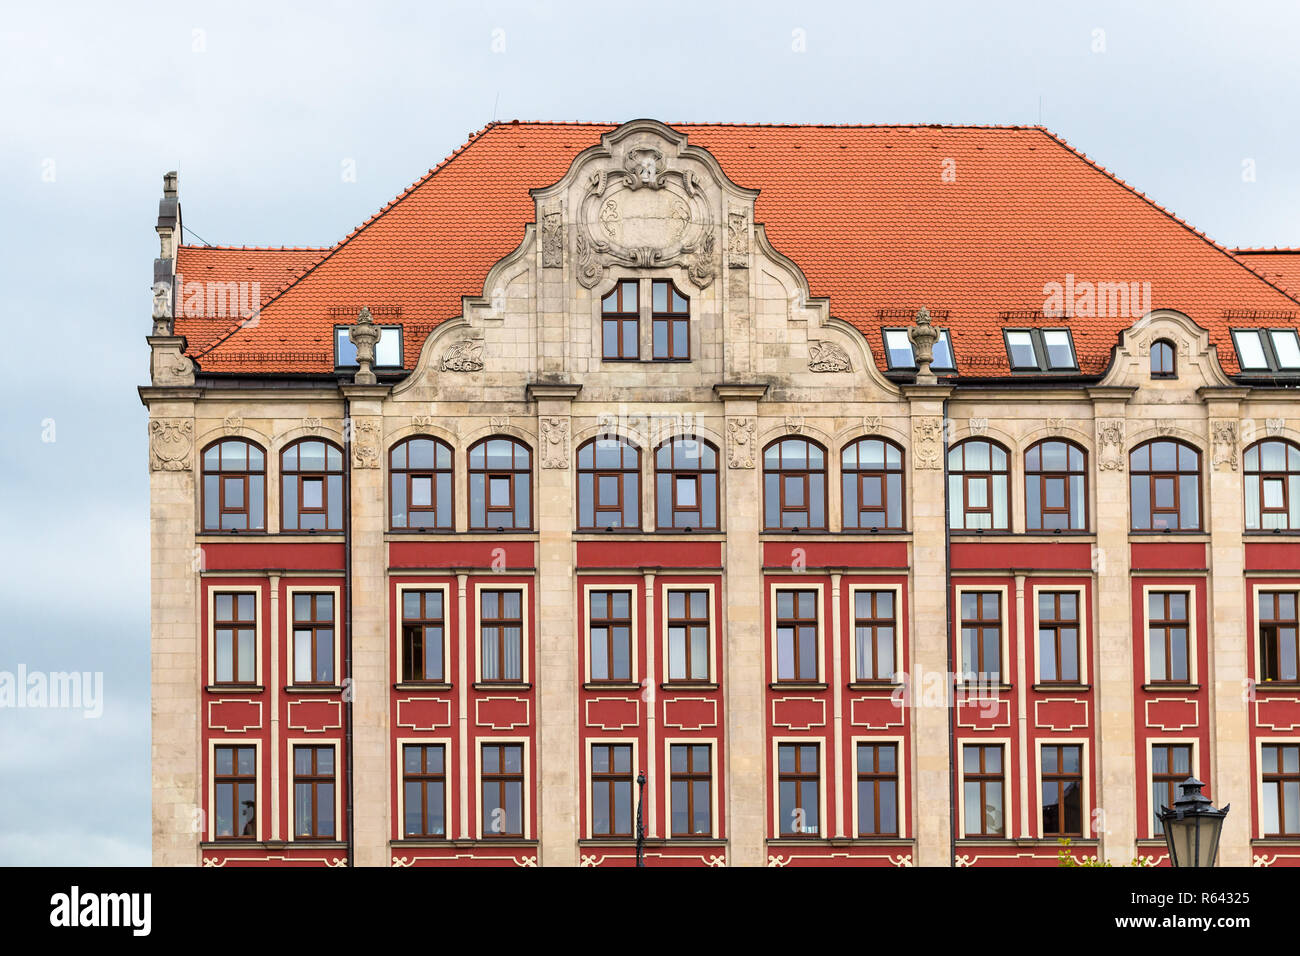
[1279,266]
[866,211]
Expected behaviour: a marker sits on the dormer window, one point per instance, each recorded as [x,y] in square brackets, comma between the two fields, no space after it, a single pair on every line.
[1040,350]
[901,358]
[1163,358]
[1267,350]
[388,350]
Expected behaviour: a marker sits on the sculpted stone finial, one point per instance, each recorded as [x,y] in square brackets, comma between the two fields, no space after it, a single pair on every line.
[923,335]
[364,335]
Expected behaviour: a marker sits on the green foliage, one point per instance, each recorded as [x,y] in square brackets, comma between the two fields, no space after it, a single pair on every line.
[1065,858]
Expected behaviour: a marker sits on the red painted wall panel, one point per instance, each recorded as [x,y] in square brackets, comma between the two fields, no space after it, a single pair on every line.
[677,553]
[267,552]
[1272,556]
[516,555]
[1054,555]
[836,554]
[1162,556]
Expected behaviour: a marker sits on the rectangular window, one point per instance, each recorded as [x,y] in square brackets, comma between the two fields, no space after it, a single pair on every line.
[313,793]
[874,629]
[877,790]
[422,636]
[313,638]
[1281,783]
[611,790]
[1171,764]
[424,791]
[1169,644]
[501,634]
[234,636]
[609,627]
[1062,777]
[1058,637]
[620,323]
[234,781]
[388,350]
[982,790]
[796,635]
[671,314]
[1040,350]
[1020,350]
[691,773]
[1278,629]
[981,637]
[503,790]
[899,355]
[688,635]
[799,785]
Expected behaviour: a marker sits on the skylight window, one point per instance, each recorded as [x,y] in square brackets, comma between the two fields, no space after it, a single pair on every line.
[388,350]
[1267,350]
[1041,350]
[900,356]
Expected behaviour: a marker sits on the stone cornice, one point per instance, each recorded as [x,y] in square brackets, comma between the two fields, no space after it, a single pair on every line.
[365,391]
[728,391]
[924,392]
[1214,393]
[168,393]
[1111,393]
[551,390]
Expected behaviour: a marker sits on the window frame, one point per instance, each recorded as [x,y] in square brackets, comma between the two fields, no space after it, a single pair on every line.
[1259,475]
[384,328]
[798,621]
[700,475]
[802,776]
[944,337]
[424,778]
[859,473]
[807,474]
[235,590]
[711,662]
[1042,355]
[1190,593]
[1260,622]
[867,587]
[1080,626]
[692,776]
[1058,776]
[215,744]
[621,317]
[901,792]
[670,318]
[525,606]
[502,777]
[985,777]
[589,590]
[247,474]
[1043,475]
[991,475]
[314,779]
[1176,476]
[1272,363]
[1171,778]
[612,777]
[960,622]
[291,594]
[404,588]
[1167,345]
[326,475]
[1281,777]
[514,475]
[432,473]
[622,473]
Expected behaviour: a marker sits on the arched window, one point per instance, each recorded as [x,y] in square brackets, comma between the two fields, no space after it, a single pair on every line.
[686,485]
[420,484]
[1056,486]
[1273,486]
[500,485]
[1163,359]
[794,485]
[977,485]
[620,323]
[872,479]
[609,489]
[1165,486]
[311,486]
[670,322]
[234,486]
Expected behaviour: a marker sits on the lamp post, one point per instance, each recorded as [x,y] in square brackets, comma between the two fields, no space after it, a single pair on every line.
[640,825]
[1192,826]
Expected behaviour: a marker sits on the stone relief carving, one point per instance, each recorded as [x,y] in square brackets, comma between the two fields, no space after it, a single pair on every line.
[978,426]
[311,424]
[927,442]
[828,357]
[1274,426]
[738,240]
[170,444]
[463,356]
[555,442]
[170,367]
[701,268]
[1110,444]
[740,442]
[499,421]
[794,423]
[872,424]
[1224,434]
[422,421]
[1165,426]
[609,219]
[365,445]
[232,424]
[552,240]
[1056,425]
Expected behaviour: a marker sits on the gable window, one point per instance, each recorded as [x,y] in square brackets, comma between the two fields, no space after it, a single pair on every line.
[899,355]
[311,483]
[1165,481]
[1272,483]
[234,635]
[620,323]
[877,790]
[422,636]
[420,478]
[234,782]
[688,635]
[796,635]
[799,787]
[1040,350]
[671,320]
[313,638]
[1281,786]
[1267,350]
[794,485]
[686,485]
[1058,637]
[234,486]
[611,790]
[500,485]
[424,791]
[872,477]
[1056,487]
[388,348]
[982,790]
[503,790]
[313,793]
[981,637]
[609,487]
[1062,794]
[1168,637]
[1163,359]
[977,485]
[1171,764]
[1278,630]
[501,636]
[873,624]
[691,797]
[609,627]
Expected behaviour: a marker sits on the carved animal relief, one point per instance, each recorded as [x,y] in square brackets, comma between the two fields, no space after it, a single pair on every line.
[828,357]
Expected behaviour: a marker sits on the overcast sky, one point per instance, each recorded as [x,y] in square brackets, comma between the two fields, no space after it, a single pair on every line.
[260,106]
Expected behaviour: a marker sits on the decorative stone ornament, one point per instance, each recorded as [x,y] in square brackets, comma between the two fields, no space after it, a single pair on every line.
[552,240]
[464,356]
[1224,433]
[365,445]
[740,442]
[1274,426]
[170,444]
[927,442]
[872,423]
[738,240]
[978,426]
[162,308]
[555,442]
[828,357]
[923,335]
[232,424]
[1110,444]
[363,335]
[1056,425]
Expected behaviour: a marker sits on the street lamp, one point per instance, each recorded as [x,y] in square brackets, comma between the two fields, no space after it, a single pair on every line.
[640,826]
[1192,826]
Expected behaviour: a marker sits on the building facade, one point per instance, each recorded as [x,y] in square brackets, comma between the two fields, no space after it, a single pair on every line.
[609,454]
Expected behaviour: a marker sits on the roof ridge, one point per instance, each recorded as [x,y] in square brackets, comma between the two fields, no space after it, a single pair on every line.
[1248,250]
[229,248]
[726,125]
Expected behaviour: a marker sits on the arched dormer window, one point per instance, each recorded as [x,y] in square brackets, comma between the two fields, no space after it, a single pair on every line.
[1163,359]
